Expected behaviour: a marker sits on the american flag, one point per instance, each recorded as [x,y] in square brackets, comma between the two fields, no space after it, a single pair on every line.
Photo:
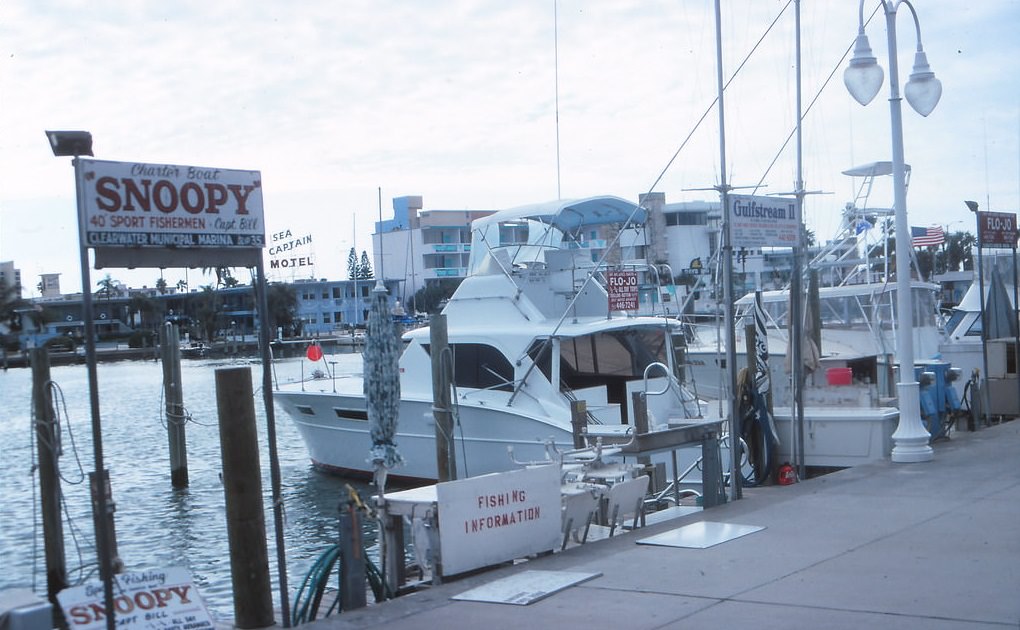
[926,237]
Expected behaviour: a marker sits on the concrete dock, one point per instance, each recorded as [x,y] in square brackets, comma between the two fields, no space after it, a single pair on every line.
[933,545]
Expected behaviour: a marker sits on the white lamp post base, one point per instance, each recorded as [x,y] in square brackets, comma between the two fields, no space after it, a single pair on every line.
[910,440]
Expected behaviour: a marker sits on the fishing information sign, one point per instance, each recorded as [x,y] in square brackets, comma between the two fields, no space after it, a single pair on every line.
[997,229]
[757,222]
[161,599]
[494,518]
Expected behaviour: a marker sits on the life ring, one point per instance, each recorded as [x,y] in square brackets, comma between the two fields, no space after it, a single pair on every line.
[102,316]
[69,318]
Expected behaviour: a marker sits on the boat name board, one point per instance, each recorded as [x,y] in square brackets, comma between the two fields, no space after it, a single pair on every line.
[757,221]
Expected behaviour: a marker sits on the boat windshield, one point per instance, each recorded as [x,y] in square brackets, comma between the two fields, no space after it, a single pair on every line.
[589,360]
[514,242]
[853,310]
[957,319]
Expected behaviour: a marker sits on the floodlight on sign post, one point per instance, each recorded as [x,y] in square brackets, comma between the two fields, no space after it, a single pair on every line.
[863,78]
[75,144]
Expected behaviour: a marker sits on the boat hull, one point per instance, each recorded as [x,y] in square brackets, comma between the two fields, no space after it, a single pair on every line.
[336,433]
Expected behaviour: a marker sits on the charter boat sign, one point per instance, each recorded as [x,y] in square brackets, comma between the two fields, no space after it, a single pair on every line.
[758,221]
[148,207]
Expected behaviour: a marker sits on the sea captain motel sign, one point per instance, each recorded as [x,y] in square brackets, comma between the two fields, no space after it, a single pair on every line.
[164,215]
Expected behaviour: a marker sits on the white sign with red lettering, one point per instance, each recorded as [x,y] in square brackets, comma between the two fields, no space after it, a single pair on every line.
[494,518]
[130,204]
[162,599]
[757,221]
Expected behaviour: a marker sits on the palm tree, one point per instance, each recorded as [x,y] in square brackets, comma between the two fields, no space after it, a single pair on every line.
[282,302]
[142,305]
[10,303]
[223,276]
[107,287]
[204,312]
[956,252]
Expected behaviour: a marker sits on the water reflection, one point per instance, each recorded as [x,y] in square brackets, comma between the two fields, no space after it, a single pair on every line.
[156,525]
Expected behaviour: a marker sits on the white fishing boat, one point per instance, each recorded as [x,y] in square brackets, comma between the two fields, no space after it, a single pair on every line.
[851,314]
[963,344]
[530,330]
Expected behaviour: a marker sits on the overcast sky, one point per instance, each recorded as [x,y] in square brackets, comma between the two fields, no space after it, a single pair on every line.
[457,101]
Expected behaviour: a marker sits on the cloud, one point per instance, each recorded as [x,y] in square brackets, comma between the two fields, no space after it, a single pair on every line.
[458,102]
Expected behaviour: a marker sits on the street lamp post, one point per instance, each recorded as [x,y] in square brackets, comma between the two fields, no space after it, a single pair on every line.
[863,78]
[75,144]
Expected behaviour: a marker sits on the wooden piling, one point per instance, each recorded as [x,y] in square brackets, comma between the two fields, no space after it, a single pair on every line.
[442,358]
[578,421]
[242,486]
[352,557]
[47,445]
[639,418]
[170,344]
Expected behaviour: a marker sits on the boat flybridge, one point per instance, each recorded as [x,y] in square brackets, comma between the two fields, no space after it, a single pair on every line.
[530,330]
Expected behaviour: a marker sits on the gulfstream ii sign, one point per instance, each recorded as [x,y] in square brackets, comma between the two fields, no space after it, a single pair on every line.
[758,222]
[130,204]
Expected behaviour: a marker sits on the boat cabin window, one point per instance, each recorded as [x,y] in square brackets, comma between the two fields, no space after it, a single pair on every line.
[479,366]
[513,233]
[957,320]
[591,360]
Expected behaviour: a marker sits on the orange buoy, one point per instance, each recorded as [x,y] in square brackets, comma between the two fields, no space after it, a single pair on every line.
[314,352]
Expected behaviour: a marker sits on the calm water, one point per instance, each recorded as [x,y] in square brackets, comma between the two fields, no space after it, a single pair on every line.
[157,526]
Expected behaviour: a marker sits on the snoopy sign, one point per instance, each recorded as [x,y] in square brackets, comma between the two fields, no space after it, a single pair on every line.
[132,210]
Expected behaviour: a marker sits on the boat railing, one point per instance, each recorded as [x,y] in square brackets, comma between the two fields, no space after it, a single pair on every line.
[671,385]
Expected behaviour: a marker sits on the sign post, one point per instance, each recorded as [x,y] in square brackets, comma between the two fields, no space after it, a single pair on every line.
[995,230]
[134,214]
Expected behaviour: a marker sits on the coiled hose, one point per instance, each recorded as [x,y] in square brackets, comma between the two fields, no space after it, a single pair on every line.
[309,597]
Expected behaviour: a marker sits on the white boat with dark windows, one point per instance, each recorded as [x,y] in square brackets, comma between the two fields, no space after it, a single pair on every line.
[531,330]
[848,342]
[850,311]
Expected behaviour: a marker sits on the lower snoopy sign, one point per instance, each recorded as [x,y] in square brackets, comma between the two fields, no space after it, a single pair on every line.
[163,599]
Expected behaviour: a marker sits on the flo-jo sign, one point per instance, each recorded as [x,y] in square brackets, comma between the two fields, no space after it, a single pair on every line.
[131,204]
[997,229]
[622,287]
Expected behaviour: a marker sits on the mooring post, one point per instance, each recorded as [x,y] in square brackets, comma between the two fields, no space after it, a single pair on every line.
[48,448]
[103,509]
[578,421]
[242,486]
[352,557]
[639,418]
[446,455]
[170,344]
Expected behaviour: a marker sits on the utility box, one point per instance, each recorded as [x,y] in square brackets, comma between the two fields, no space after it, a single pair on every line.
[1003,389]
[20,609]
